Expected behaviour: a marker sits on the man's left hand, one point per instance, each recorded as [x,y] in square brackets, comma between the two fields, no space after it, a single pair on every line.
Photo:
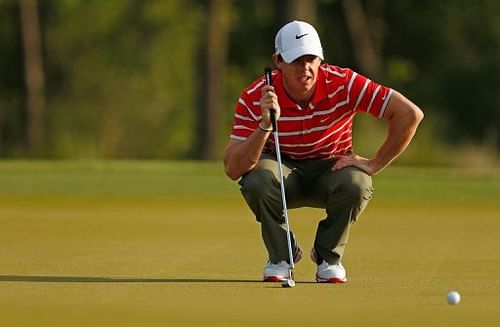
[354,160]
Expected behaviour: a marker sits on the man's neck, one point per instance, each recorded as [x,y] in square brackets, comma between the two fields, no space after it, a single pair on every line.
[302,99]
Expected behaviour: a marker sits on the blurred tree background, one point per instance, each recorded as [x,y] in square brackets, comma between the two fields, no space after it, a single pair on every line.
[159,78]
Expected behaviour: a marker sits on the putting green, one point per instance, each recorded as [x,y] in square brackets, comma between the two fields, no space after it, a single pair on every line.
[173,244]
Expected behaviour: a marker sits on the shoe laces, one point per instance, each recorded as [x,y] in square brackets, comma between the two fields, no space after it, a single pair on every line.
[281,264]
[326,265]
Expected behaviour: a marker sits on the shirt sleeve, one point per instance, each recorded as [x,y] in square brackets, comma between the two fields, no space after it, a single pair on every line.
[366,95]
[247,117]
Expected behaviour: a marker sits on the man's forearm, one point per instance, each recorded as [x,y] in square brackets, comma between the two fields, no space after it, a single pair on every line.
[241,157]
[403,117]
[399,136]
[402,127]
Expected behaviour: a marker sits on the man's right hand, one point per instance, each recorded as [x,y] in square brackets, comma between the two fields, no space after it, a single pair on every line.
[269,101]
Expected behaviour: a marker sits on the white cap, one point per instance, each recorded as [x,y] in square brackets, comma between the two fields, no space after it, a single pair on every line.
[297,39]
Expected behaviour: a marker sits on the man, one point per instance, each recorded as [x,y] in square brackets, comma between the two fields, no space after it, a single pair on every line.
[314,104]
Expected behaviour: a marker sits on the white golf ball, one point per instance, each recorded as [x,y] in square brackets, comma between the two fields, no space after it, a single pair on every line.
[453,298]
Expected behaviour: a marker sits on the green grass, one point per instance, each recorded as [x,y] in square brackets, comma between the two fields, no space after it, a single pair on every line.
[140,243]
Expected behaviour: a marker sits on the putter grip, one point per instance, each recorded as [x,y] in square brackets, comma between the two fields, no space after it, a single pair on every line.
[269,81]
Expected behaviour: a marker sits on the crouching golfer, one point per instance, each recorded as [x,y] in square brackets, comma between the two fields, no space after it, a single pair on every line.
[314,104]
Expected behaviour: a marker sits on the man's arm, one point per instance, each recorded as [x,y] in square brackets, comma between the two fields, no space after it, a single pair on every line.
[242,156]
[403,117]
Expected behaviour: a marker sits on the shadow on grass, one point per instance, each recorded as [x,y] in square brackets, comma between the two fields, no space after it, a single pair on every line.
[92,279]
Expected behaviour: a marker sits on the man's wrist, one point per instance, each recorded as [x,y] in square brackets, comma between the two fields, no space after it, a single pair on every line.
[269,129]
[375,166]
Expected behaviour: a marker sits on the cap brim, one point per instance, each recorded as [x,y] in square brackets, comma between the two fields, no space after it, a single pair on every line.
[292,54]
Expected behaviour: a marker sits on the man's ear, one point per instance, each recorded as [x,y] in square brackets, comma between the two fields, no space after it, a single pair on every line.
[278,61]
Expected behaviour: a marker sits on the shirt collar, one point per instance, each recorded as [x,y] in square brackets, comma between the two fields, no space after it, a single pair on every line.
[321,92]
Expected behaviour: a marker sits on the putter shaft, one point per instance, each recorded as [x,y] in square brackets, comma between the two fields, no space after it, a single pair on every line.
[269,81]
[283,199]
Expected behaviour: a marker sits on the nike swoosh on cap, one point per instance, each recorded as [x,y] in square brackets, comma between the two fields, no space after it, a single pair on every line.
[300,36]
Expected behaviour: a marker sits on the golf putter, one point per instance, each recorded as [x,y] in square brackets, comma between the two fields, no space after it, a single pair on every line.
[289,282]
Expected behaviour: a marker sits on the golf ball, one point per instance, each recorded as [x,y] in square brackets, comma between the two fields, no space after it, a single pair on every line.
[453,298]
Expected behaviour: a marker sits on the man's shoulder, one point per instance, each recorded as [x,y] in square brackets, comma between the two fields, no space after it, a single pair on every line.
[335,72]
[253,90]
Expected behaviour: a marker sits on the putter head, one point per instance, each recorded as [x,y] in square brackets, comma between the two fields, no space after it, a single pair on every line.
[288,283]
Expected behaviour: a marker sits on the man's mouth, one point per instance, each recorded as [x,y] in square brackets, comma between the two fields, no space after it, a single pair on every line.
[304,79]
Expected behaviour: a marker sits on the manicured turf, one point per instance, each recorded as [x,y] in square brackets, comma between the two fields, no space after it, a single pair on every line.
[173,244]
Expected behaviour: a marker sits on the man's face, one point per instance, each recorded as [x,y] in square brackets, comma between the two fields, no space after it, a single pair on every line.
[299,76]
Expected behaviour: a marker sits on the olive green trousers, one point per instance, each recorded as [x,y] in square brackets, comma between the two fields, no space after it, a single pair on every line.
[308,183]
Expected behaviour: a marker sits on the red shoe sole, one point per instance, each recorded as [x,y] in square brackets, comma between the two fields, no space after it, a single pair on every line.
[273,279]
[331,280]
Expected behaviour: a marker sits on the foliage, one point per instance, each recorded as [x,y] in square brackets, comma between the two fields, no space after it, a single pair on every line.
[124,80]
[127,78]
[451,50]
[11,80]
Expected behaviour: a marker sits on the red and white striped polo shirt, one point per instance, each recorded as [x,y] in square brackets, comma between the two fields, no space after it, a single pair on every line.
[323,130]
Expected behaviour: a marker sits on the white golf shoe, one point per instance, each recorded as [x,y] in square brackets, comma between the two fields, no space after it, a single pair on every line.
[276,272]
[327,273]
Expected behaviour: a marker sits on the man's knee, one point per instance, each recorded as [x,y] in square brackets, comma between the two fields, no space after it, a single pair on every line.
[355,186]
[257,187]
[257,183]
[357,190]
